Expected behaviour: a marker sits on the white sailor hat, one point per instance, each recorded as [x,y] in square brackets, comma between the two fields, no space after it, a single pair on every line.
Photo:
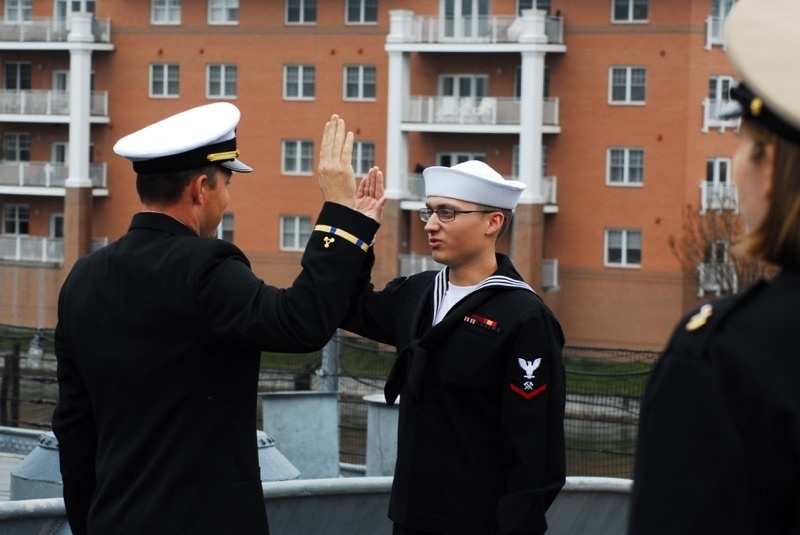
[188,140]
[762,40]
[472,181]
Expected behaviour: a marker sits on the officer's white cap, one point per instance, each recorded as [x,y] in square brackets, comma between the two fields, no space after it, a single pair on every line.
[472,181]
[188,140]
[763,39]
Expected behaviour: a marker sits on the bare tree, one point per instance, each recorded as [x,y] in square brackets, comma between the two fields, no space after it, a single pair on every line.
[708,254]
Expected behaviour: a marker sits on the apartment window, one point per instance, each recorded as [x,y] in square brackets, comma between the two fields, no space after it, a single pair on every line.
[533,4]
[449,159]
[359,82]
[225,228]
[221,79]
[362,11]
[19,10]
[17,76]
[57,225]
[165,12]
[299,82]
[16,147]
[16,219]
[298,157]
[630,10]
[164,80]
[719,88]
[627,85]
[623,247]
[625,166]
[295,232]
[718,170]
[363,157]
[301,11]
[223,11]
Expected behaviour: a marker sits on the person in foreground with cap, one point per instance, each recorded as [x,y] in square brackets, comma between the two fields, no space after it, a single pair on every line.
[719,437]
[481,423]
[160,334]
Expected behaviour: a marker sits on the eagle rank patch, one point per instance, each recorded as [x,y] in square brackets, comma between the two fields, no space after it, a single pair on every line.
[527,387]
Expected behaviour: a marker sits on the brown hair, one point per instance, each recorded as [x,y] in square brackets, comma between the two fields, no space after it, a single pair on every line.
[507,215]
[777,238]
[166,188]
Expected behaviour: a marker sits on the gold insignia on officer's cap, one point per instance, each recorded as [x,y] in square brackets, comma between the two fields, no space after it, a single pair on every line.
[188,140]
[699,319]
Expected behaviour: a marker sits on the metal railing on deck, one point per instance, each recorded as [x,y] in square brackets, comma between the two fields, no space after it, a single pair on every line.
[604,387]
[46,29]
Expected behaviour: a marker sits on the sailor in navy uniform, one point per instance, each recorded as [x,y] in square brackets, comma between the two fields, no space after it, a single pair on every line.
[160,334]
[481,436]
[719,437]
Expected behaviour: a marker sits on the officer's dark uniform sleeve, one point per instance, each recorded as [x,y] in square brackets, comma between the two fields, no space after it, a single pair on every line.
[73,423]
[238,305]
[532,427]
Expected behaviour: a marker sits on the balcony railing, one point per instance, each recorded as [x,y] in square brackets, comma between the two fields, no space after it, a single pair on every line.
[715,32]
[41,29]
[45,102]
[718,196]
[37,249]
[46,174]
[711,110]
[470,110]
[415,263]
[480,29]
[717,278]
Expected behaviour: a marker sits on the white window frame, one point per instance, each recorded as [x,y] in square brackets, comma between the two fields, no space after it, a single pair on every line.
[629,72]
[17,143]
[720,170]
[363,157]
[57,225]
[300,72]
[302,155]
[18,10]
[626,236]
[627,166]
[630,17]
[165,12]
[363,6]
[228,75]
[298,236]
[225,227]
[223,12]
[543,5]
[301,7]
[463,85]
[451,158]
[22,75]
[17,214]
[361,83]
[170,74]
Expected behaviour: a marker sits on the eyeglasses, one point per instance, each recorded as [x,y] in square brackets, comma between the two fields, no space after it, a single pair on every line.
[447,214]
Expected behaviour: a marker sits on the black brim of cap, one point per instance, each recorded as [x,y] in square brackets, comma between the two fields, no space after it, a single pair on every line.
[236,166]
[732,110]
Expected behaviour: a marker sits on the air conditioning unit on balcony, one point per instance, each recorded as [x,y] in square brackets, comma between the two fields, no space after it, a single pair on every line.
[550,274]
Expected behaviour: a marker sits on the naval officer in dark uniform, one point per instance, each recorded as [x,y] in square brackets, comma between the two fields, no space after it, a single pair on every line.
[481,424]
[719,437]
[159,336]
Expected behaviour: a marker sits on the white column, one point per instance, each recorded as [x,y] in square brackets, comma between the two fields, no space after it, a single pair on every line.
[531,103]
[396,171]
[80,74]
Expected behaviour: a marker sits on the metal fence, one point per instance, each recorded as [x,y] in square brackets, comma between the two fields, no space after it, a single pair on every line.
[604,388]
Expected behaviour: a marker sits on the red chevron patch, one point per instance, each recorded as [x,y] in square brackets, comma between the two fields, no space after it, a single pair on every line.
[528,395]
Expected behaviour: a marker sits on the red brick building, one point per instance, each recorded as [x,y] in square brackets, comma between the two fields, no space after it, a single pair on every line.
[605,109]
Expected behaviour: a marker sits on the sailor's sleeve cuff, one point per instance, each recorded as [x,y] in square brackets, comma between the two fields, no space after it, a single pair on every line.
[327,229]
